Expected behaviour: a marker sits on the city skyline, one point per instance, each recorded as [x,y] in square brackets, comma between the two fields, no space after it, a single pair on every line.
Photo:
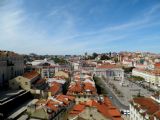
[75,27]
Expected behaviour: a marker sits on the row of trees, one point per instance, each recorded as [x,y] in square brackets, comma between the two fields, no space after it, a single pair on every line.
[116,90]
[59,60]
[103,57]
[100,85]
[137,78]
[128,69]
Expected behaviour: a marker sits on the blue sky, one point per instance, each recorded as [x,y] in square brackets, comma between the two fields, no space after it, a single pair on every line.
[79,26]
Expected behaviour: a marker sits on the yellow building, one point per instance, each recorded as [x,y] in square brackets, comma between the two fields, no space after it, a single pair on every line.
[62,74]
[20,82]
[25,82]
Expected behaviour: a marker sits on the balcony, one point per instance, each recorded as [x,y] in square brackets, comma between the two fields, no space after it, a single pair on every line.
[10,63]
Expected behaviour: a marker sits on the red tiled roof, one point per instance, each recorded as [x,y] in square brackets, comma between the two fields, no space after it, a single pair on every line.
[75,88]
[74,112]
[109,112]
[80,87]
[114,112]
[66,102]
[52,102]
[65,99]
[30,75]
[91,103]
[66,96]
[89,86]
[52,107]
[107,102]
[79,107]
[107,66]
[148,104]
[106,108]
[54,88]
[157,65]
[40,81]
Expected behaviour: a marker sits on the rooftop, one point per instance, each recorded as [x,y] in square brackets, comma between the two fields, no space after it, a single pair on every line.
[149,106]
[107,66]
[31,75]
[8,53]
[108,110]
[152,72]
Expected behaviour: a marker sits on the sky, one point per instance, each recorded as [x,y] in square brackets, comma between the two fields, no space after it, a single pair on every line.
[79,26]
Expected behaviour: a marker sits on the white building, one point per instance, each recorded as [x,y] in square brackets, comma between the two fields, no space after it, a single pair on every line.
[128,63]
[111,71]
[142,108]
[41,62]
[76,66]
[46,68]
[150,76]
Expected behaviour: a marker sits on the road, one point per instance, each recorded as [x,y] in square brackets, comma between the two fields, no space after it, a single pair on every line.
[114,98]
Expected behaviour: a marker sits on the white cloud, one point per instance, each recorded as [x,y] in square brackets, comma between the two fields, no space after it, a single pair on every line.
[61,36]
[17,34]
[154,9]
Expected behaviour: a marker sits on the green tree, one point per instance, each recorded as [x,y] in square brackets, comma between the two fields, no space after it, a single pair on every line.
[105,57]
[94,55]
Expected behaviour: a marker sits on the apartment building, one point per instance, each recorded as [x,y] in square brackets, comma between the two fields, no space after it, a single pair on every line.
[150,76]
[12,65]
[143,108]
[25,82]
[53,108]
[95,110]
[87,66]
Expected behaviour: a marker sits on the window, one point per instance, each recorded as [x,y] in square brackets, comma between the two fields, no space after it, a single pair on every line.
[26,83]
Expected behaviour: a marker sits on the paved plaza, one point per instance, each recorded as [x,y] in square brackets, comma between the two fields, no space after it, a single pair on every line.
[128,90]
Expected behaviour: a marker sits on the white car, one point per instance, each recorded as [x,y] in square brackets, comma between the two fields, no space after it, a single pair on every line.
[125,112]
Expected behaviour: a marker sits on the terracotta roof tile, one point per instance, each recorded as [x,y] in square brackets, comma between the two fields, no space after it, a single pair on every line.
[79,107]
[109,112]
[30,75]
[107,66]
[148,104]
[55,88]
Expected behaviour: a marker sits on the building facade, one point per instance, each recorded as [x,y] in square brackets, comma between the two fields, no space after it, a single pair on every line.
[11,65]
[150,76]
[143,108]
[110,71]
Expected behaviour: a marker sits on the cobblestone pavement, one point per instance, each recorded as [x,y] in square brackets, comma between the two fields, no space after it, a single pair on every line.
[128,90]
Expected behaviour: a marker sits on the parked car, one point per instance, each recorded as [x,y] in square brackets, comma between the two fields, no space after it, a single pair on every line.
[125,112]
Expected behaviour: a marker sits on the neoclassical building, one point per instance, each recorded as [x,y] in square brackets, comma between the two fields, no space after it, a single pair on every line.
[110,71]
